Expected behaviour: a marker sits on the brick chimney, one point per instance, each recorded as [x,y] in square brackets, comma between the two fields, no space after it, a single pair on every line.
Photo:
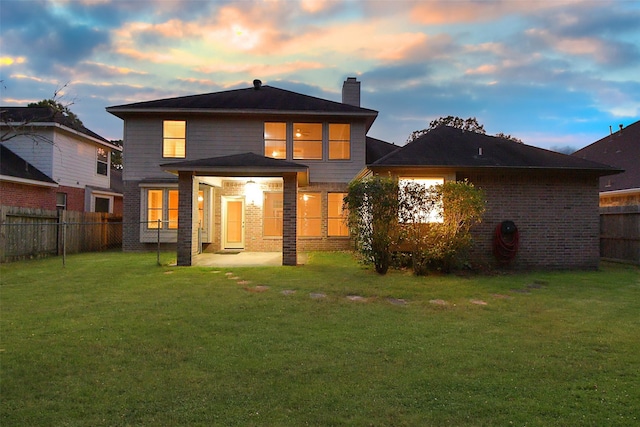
[351,92]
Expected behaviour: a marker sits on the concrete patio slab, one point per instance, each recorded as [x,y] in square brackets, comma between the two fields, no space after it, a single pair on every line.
[242,259]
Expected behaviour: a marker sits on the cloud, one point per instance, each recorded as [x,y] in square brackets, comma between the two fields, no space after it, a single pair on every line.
[34,31]
[460,12]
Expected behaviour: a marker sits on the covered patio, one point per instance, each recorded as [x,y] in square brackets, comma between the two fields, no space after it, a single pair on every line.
[245,165]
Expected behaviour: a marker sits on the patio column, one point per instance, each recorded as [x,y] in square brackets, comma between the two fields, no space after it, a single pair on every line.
[289,219]
[187,245]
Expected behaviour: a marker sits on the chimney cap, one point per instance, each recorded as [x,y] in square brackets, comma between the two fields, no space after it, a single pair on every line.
[257,84]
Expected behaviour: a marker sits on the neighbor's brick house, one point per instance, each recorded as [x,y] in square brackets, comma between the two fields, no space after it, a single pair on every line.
[264,169]
[49,162]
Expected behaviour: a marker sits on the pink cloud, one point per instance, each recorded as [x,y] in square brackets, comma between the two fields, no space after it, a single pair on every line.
[448,12]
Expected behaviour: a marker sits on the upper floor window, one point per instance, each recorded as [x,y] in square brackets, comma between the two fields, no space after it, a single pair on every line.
[174,138]
[102,161]
[339,141]
[275,140]
[307,141]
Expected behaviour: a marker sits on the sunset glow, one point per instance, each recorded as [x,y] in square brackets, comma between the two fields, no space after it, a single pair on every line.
[548,72]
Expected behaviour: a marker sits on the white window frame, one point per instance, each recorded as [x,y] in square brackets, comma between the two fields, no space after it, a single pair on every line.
[101,162]
[101,196]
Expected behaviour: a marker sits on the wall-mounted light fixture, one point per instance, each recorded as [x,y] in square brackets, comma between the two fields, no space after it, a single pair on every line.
[252,192]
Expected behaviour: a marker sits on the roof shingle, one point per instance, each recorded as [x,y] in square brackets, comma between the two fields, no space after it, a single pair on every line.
[451,147]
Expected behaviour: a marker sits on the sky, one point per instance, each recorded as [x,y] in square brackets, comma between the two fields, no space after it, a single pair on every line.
[554,73]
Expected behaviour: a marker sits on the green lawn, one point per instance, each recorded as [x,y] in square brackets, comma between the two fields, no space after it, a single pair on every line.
[115,340]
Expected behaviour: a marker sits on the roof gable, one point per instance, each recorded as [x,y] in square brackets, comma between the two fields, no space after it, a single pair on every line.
[376,149]
[44,115]
[15,166]
[261,100]
[620,149]
[451,147]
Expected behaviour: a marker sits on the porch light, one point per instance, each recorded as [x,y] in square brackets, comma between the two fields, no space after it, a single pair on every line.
[252,191]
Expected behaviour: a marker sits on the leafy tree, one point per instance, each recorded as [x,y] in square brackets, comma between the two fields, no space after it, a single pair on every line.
[116,156]
[372,204]
[14,127]
[471,124]
[57,107]
[509,137]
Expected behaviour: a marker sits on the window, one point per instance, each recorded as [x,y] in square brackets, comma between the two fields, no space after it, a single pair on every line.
[172,209]
[309,215]
[174,138]
[431,215]
[102,204]
[339,141]
[154,208]
[272,214]
[61,201]
[337,217]
[307,141]
[162,205]
[102,161]
[275,140]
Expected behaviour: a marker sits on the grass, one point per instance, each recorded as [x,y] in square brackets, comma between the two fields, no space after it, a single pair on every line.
[114,340]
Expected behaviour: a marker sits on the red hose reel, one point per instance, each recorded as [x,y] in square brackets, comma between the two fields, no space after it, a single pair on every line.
[505,242]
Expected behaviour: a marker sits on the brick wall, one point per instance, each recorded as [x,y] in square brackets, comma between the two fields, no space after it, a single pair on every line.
[131,218]
[75,198]
[27,196]
[556,215]
[30,196]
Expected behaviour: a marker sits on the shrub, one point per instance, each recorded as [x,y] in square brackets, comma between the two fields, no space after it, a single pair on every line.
[437,223]
[372,204]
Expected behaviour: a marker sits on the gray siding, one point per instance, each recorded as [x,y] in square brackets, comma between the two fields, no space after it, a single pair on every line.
[215,136]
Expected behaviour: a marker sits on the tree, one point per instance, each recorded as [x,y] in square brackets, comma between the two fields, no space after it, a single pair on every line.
[509,137]
[21,124]
[372,204]
[116,156]
[59,108]
[471,124]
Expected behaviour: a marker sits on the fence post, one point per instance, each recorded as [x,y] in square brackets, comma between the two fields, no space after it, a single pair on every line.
[64,244]
[158,254]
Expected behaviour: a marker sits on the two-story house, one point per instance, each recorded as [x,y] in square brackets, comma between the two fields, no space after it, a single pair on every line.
[258,169]
[265,169]
[50,162]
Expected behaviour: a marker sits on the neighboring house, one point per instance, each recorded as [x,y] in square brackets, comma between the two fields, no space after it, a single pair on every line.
[622,150]
[257,169]
[265,169]
[50,162]
[552,198]
[619,194]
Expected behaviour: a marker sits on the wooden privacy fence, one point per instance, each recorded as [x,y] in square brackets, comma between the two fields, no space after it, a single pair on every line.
[620,233]
[33,233]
